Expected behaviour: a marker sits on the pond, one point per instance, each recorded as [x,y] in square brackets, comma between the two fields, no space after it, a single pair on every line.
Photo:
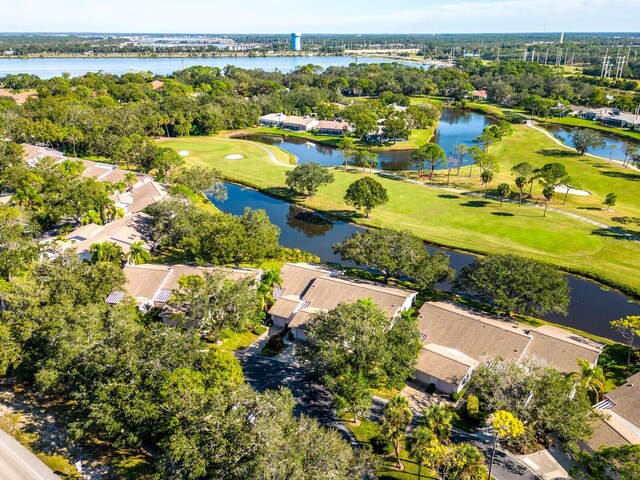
[456,126]
[614,146]
[51,67]
[591,308]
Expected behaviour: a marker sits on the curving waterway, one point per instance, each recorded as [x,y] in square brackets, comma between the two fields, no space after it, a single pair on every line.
[591,308]
[455,127]
[613,148]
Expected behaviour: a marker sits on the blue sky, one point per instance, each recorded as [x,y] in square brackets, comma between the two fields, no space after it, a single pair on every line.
[319,16]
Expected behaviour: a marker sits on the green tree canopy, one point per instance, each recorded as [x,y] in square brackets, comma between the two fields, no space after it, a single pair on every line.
[366,194]
[516,284]
[307,178]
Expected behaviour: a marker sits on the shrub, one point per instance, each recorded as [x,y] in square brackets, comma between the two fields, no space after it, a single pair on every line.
[274,346]
[458,395]
[473,405]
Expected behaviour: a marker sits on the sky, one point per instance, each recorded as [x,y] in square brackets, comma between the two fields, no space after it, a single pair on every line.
[324,16]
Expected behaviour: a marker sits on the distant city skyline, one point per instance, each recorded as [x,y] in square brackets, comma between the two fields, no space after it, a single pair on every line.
[330,16]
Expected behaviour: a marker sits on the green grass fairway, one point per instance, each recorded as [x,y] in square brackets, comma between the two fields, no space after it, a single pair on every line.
[447,218]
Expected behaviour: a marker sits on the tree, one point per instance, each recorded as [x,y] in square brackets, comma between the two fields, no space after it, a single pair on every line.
[586,138]
[504,127]
[568,184]
[610,200]
[346,149]
[469,463]
[504,190]
[483,160]
[520,183]
[358,341]
[130,180]
[552,174]
[548,192]
[629,153]
[269,280]
[395,254]
[365,158]
[622,463]
[591,378]
[395,419]
[366,194]
[352,395]
[428,155]
[138,254]
[516,284]
[628,327]
[505,427]
[485,177]
[459,153]
[438,417]
[525,171]
[203,179]
[420,445]
[307,178]
[107,252]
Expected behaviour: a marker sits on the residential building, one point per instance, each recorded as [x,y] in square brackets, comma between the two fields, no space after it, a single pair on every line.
[34,153]
[621,422]
[307,289]
[299,124]
[480,95]
[153,285]
[334,127]
[272,119]
[455,340]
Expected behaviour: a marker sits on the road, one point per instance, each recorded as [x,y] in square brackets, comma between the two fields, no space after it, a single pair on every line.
[18,463]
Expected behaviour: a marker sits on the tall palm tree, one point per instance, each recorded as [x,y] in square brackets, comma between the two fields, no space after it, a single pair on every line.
[421,443]
[591,378]
[485,177]
[397,415]
[269,280]
[120,186]
[138,254]
[130,179]
[438,418]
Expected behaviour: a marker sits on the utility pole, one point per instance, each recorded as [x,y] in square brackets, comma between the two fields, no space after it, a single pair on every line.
[546,56]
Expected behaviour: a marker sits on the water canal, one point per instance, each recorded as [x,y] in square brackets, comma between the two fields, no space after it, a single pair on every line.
[613,149]
[591,308]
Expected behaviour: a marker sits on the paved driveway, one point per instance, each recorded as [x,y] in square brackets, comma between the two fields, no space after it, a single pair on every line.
[18,463]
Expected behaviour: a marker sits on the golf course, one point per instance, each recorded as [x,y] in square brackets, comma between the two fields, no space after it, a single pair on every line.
[458,216]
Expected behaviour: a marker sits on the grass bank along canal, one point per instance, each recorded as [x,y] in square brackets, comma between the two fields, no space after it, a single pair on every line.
[591,309]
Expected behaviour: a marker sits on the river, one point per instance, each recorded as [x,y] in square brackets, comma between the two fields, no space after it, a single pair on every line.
[614,147]
[52,67]
[591,308]
[455,127]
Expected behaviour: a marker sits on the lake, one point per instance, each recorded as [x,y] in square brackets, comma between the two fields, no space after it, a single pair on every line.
[614,146]
[52,67]
[455,127]
[591,308]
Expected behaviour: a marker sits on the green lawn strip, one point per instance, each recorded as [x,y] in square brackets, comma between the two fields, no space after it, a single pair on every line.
[232,341]
[449,219]
[583,122]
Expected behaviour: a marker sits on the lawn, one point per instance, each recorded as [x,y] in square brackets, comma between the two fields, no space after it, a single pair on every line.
[598,177]
[451,219]
[232,341]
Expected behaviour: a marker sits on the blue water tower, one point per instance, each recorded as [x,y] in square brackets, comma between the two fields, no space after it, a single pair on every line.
[296,42]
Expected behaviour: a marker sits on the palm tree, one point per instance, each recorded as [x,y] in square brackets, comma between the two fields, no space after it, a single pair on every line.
[397,415]
[503,190]
[107,252]
[269,280]
[591,378]
[548,192]
[520,183]
[469,463]
[438,418]
[130,180]
[119,186]
[485,177]
[138,254]
[421,443]
[92,217]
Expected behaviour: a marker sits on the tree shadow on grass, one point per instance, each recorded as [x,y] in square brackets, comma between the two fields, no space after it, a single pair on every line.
[557,152]
[617,233]
[449,196]
[475,203]
[344,215]
[634,177]
[502,214]
[595,209]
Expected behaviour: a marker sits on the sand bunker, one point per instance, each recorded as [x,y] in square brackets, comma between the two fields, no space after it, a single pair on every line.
[234,156]
[572,191]
[183,153]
